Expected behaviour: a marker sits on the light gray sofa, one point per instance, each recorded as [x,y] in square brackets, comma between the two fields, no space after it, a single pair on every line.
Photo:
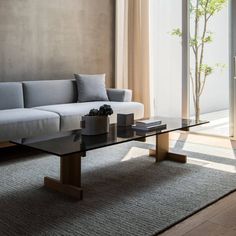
[37,108]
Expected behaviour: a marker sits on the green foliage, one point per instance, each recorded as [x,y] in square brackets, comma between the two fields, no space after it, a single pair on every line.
[176,32]
[193,42]
[213,6]
[206,8]
[206,70]
[208,37]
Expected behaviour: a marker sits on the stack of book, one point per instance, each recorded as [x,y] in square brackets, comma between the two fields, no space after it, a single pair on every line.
[149,125]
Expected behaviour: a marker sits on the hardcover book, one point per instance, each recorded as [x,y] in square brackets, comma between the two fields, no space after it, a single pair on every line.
[148,123]
[149,128]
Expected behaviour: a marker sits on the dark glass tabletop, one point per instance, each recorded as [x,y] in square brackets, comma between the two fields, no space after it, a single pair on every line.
[77,143]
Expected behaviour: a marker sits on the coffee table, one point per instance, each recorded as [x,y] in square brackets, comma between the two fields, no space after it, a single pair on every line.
[72,147]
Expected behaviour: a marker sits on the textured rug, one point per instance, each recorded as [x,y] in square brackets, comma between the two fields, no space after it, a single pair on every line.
[125,192]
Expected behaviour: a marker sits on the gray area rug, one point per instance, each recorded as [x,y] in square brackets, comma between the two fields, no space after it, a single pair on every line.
[123,194]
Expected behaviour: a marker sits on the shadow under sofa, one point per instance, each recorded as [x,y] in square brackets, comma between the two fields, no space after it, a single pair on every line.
[36,108]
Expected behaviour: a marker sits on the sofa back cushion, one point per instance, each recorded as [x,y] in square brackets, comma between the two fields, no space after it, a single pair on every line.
[91,87]
[11,95]
[49,92]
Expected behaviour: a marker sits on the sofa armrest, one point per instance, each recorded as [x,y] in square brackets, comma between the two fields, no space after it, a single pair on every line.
[119,95]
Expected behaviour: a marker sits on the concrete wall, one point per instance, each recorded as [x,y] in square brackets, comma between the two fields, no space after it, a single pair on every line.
[52,39]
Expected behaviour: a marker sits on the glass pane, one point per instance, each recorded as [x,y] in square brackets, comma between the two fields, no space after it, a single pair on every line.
[209,57]
[76,142]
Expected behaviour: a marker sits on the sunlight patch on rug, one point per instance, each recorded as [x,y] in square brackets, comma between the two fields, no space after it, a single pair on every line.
[213,165]
[135,152]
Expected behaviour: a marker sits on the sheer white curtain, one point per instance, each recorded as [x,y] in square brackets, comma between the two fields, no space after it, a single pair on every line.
[132,49]
[166,57]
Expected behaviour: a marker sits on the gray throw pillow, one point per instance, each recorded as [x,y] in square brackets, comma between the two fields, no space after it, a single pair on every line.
[91,88]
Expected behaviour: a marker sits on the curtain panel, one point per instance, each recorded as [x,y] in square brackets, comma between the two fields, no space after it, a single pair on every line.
[132,49]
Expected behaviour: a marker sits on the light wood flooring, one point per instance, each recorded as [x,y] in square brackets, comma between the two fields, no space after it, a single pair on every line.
[217,219]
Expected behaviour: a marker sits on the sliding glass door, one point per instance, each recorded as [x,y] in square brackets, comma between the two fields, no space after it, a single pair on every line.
[209,90]
[193,59]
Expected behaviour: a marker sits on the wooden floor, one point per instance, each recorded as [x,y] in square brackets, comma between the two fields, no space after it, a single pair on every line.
[217,219]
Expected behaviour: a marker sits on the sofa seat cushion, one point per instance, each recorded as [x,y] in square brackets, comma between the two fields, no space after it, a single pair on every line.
[25,123]
[71,113]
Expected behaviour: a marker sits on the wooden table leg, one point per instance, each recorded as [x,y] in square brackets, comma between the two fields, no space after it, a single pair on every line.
[70,177]
[162,153]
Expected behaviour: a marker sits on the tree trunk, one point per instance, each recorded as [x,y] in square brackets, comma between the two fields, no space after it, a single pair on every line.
[197,109]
